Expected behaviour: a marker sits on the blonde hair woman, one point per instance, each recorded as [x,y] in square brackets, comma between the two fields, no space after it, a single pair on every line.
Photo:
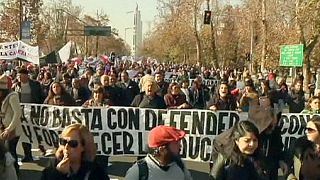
[148,98]
[75,157]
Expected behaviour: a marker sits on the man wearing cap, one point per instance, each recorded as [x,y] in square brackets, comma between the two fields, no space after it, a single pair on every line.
[29,92]
[163,160]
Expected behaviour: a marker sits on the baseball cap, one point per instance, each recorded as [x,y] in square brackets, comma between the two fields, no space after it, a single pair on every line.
[162,135]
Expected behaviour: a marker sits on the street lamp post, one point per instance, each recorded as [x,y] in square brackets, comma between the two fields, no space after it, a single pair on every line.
[20,18]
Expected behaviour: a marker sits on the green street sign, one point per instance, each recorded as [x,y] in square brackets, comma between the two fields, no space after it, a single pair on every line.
[97,30]
[291,55]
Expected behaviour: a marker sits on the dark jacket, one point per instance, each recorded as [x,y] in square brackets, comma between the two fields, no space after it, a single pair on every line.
[305,162]
[87,168]
[223,170]
[199,98]
[229,104]
[163,88]
[115,94]
[66,100]
[83,95]
[143,101]
[296,101]
[129,92]
[271,152]
[37,93]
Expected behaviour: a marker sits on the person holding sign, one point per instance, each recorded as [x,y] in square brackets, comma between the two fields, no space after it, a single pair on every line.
[97,99]
[149,98]
[58,96]
[175,99]
[75,157]
[163,160]
[222,99]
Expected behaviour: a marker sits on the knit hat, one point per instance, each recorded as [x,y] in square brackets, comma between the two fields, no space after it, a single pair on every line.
[3,82]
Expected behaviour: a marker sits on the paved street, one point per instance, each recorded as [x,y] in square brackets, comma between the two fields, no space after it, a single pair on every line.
[32,171]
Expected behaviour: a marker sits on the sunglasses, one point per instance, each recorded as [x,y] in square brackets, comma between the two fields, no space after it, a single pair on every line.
[310,130]
[71,143]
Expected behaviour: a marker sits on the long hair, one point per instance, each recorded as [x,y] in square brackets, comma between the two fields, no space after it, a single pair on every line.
[216,97]
[316,121]
[171,85]
[240,130]
[87,141]
[51,94]
[310,101]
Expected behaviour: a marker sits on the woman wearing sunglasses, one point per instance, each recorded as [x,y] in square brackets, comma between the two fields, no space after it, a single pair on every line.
[75,157]
[306,160]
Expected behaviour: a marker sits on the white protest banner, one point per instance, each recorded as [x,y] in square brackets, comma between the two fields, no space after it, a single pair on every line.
[19,49]
[124,130]
[293,126]
[8,50]
[28,53]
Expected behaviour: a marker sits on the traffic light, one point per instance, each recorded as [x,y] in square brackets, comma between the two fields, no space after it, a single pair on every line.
[207,17]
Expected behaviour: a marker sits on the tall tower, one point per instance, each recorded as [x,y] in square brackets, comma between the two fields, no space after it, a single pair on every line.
[137,32]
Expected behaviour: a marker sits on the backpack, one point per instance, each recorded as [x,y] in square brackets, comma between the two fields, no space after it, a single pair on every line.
[144,170]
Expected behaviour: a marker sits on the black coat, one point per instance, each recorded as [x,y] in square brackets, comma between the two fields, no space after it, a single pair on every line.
[129,92]
[143,101]
[271,152]
[37,94]
[96,172]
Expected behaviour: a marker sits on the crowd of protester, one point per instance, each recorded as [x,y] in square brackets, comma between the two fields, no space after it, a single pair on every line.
[255,152]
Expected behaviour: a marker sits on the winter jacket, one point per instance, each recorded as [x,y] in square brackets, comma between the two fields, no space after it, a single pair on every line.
[87,171]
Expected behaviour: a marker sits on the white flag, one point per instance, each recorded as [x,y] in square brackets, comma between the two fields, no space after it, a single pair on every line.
[64,52]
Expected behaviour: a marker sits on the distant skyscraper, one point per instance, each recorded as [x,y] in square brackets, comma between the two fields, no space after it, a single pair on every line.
[137,33]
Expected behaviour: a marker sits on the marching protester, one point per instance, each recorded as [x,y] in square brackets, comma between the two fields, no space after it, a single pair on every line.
[10,123]
[95,79]
[163,86]
[115,93]
[222,99]
[295,98]
[46,82]
[78,92]
[163,160]
[59,96]
[129,88]
[74,159]
[29,91]
[175,99]
[249,97]
[313,106]
[271,150]
[98,99]
[148,98]
[185,89]
[239,160]
[199,94]
[7,169]
[306,153]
